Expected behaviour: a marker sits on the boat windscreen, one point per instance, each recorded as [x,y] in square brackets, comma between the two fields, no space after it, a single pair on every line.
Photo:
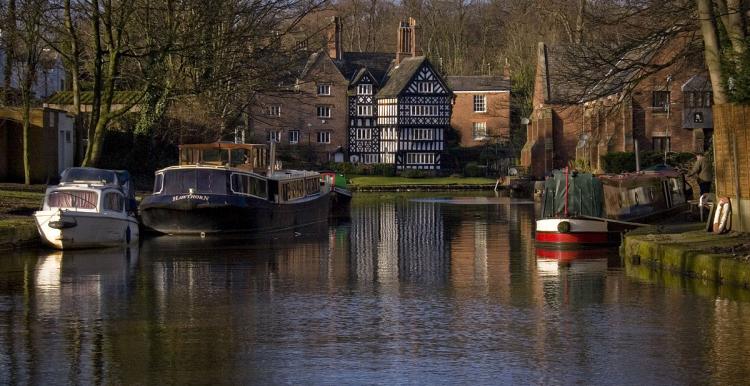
[584,195]
[200,181]
[71,175]
[81,199]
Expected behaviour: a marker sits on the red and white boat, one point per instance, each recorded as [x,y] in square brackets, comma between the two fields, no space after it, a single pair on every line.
[584,210]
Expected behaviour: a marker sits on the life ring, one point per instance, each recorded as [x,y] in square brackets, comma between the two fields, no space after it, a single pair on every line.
[722,216]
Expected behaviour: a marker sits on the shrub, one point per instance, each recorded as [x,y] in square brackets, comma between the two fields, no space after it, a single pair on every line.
[473,170]
[621,162]
[385,170]
[413,173]
[618,162]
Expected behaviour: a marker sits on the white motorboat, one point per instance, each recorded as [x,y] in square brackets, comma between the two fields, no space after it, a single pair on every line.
[89,208]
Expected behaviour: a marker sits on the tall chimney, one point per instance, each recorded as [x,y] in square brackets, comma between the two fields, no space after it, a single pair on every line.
[335,50]
[407,36]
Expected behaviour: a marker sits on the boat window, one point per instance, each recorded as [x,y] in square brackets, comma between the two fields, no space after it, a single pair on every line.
[113,201]
[199,180]
[247,184]
[291,190]
[88,174]
[215,156]
[312,185]
[81,199]
[158,183]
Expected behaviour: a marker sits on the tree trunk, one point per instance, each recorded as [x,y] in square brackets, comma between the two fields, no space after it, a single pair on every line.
[28,81]
[10,53]
[579,21]
[26,124]
[731,18]
[97,91]
[712,49]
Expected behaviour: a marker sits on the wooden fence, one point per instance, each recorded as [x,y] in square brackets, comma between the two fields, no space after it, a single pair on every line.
[732,159]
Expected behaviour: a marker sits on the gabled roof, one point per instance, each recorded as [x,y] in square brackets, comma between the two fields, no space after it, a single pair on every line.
[377,63]
[87,98]
[697,83]
[478,83]
[399,76]
[311,61]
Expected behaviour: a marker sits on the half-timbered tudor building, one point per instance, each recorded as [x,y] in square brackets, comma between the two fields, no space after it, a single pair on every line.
[414,110]
[367,72]
[391,108]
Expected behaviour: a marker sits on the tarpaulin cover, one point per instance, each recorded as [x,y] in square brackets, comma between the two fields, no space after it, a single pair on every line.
[585,195]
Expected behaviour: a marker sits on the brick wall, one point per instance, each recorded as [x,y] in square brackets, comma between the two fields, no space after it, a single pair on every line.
[497,116]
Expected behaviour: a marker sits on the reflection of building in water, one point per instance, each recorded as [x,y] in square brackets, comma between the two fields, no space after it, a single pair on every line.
[398,240]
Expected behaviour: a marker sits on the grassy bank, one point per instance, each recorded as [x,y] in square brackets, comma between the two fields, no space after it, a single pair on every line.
[371,181]
[17,204]
[690,251]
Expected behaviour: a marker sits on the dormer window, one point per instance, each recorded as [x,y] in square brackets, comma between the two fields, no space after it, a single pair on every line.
[364,89]
[425,87]
[324,89]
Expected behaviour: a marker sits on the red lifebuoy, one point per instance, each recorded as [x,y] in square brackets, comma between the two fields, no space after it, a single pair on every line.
[722,216]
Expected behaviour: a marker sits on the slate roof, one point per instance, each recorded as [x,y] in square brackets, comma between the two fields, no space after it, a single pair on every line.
[399,77]
[378,63]
[478,83]
[87,98]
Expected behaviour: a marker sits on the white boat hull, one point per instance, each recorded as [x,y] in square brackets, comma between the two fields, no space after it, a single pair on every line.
[69,229]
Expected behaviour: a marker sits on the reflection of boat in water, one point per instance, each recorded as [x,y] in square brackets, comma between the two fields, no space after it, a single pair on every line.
[225,187]
[581,209]
[89,208]
[550,261]
[341,196]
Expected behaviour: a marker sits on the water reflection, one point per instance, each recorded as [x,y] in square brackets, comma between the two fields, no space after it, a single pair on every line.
[437,290]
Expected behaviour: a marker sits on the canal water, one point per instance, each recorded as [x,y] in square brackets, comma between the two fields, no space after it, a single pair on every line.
[416,288]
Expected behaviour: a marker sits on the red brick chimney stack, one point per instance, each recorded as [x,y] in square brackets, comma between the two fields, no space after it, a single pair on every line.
[407,37]
[335,50]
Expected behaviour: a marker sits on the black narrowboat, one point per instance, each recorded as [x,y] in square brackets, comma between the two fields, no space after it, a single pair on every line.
[228,187]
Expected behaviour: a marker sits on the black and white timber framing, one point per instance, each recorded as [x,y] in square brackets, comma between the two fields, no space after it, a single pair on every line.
[364,136]
[413,114]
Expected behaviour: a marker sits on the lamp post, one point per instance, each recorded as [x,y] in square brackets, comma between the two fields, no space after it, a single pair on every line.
[668,143]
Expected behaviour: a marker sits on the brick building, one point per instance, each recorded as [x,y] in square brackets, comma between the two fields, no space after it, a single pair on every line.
[368,107]
[669,110]
[481,108]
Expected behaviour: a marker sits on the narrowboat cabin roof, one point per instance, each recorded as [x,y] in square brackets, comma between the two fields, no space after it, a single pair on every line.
[238,155]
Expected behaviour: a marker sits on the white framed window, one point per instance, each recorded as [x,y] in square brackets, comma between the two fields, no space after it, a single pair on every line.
[293,136]
[423,110]
[370,158]
[324,89]
[274,135]
[363,134]
[274,110]
[479,130]
[480,103]
[420,158]
[364,110]
[364,89]
[324,137]
[425,87]
[422,134]
[324,111]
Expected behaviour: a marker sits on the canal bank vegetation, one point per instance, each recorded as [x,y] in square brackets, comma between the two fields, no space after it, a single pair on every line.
[370,181]
[17,204]
[691,251]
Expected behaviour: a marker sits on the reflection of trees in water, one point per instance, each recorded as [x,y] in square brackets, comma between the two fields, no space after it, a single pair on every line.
[397,240]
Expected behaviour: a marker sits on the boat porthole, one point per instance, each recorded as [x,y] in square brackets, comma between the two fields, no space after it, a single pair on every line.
[563,227]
